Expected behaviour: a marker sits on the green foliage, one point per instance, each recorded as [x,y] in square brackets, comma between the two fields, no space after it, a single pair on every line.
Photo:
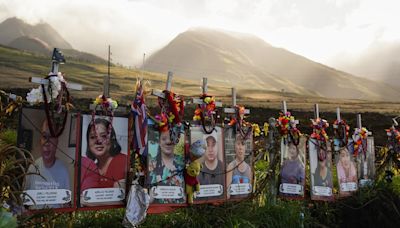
[8,136]
[7,220]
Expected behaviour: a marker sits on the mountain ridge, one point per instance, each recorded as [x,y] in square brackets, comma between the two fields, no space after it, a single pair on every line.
[40,39]
[246,61]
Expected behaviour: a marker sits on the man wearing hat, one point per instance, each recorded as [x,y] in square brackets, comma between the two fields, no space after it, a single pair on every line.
[213,169]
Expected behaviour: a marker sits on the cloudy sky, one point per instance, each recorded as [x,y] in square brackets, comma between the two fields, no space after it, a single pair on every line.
[331,32]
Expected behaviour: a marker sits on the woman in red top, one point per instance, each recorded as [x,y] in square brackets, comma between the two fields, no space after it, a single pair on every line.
[105,152]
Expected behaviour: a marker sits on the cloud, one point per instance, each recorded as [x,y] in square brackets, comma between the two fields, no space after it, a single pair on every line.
[317,29]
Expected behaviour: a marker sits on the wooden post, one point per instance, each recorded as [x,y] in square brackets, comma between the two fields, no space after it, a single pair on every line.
[359,125]
[316,111]
[284,107]
[338,115]
[159,93]
[233,97]
[232,110]
[56,59]
[204,88]
[169,81]
[106,85]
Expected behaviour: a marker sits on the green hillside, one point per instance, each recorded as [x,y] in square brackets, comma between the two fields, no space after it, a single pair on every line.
[17,66]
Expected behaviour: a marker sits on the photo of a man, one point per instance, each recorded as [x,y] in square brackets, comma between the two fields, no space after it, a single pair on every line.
[49,182]
[53,172]
[211,173]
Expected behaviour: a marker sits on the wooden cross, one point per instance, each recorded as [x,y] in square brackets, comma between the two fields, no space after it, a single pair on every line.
[284,110]
[56,60]
[159,93]
[205,89]
[359,124]
[338,115]
[316,111]
[233,110]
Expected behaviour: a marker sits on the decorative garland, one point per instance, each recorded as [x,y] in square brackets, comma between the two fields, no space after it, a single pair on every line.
[256,130]
[238,121]
[172,110]
[393,138]
[360,141]
[206,112]
[108,106]
[287,128]
[319,134]
[58,93]
[341,131]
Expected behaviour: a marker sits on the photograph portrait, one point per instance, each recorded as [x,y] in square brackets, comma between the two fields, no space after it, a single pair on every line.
[50,181]
[104,160]
[292,173]
[239,169]
[321,169]
[166,164]
[212,174]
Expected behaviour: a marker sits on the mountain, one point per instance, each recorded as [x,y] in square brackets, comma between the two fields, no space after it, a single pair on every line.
[30,44]
[380,61]
[13,28]
[247,62]
[40,39]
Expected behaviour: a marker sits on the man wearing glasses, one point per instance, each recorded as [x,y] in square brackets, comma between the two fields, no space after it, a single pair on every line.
[52,171]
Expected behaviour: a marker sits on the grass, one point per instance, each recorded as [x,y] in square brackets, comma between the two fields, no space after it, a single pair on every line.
[17,66]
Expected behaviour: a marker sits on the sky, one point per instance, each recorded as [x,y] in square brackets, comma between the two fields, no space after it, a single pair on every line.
[332,32]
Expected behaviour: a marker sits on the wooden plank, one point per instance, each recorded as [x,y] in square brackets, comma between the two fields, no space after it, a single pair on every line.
[43,81]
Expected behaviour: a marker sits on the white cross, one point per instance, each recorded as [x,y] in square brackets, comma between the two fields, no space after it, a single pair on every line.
[233,110]
[204,88]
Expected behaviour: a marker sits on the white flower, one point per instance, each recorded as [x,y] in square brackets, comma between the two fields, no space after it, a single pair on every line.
[34,96]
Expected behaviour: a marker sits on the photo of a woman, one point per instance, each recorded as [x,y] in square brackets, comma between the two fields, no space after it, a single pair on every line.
[320,166]
[103,163]
[347,173]
[292,168]
[238,170]
[104,151]
[292,175]
[165,168]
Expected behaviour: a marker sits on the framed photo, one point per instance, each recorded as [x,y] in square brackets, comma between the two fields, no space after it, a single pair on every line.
[104,161]
[239,169]
[54,187]
[212,176]
[366,163]
[166,163]
[292,174]
[72,131]
[321,170]
[346,170]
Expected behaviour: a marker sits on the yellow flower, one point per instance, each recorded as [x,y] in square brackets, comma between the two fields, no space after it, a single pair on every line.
[266,126]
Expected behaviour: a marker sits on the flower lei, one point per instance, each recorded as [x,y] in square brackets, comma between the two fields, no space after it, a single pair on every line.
[319,134]
[238,121]
[107,106]
[55,90]
[256,130]
[360,141]
[341,131]
[206,112]
[287,127]
[172,110]
[393,137]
